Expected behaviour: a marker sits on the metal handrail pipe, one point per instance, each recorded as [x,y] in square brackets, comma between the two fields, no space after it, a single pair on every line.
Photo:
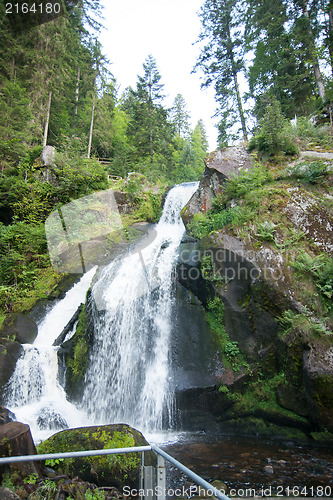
[73,454]
[199,480]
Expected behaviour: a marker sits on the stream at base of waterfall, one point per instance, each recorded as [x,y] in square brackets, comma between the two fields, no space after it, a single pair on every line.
[128,378]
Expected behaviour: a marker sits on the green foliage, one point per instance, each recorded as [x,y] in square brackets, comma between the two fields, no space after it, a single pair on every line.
[95,495]
[31,479]
[246,181]
[307,134]
[77,363]
[54,461]
[214,221]
[302,322]
[222,59]
[271,140]
[320,270]
[119,465]
[230,353]
[266,230]
[310,171]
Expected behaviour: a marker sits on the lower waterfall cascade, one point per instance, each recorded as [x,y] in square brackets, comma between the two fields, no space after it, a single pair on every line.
[129,376]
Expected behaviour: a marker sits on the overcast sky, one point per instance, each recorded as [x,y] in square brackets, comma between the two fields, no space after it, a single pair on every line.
[167,29]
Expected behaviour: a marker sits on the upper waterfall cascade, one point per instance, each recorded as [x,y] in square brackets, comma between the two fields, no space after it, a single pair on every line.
[128,378]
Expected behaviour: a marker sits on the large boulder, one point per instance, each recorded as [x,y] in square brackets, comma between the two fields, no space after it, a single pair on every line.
[108,470]
[19,327]
[220,165]
[48,156]
[16,440]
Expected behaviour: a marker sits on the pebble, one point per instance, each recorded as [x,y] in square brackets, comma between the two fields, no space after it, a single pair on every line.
[268,469]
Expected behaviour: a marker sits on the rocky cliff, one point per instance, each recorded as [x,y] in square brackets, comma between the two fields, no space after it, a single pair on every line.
[261,263]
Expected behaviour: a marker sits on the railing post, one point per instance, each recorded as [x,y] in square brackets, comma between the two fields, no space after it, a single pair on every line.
[149,482]
[141,475]
[160,478]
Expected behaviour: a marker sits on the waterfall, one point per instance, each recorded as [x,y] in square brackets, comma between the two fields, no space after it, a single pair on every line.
[33,393]
[128,378]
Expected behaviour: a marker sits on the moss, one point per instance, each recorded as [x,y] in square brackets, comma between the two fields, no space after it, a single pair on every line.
[230,353]
[78,359]
[116,469]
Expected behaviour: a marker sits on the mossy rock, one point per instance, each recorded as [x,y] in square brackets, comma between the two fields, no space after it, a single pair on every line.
[108,470]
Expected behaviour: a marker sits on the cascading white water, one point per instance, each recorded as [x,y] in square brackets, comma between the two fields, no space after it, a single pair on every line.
[128,377]
[33,393]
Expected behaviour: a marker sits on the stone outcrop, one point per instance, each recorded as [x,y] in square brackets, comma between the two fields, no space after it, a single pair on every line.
[48,156]
[10,351]
[289,375]
[6,416]
[19,327]
[117,470]
[16,440]
[219,166]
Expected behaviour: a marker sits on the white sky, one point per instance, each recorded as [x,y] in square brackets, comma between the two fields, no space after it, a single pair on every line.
[167,29]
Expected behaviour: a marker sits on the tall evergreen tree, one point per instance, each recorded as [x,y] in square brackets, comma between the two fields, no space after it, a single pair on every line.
[222,58]
[279,67]
[148,114]
[180,116]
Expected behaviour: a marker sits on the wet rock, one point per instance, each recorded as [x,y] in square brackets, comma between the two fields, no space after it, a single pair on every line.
[318,375]
[16,440]
[117,470]
[19,327]
[10,351]
[48,418]
[6,416]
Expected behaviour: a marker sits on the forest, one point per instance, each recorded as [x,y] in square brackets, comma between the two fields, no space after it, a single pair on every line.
[56,88]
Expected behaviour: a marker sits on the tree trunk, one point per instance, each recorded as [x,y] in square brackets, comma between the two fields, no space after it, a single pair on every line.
[330,36]
[238,96]
[46,128]
[312,47]
[77,88]
[91,125]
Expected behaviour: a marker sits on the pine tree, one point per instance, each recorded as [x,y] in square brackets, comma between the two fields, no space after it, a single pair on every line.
[278,69]
[180,116]
[148,116]
[222,58]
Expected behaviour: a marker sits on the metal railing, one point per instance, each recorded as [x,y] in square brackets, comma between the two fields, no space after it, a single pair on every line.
[152,480]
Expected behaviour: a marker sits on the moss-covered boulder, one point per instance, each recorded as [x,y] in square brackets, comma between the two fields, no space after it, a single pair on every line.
[73,354]
[108,470]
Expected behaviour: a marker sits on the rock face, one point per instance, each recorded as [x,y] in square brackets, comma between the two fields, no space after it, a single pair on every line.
[116,470]
[16,440]
[10,351]
[19,327]
[220,165]
[6,416]
[281,373]
[48,156]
